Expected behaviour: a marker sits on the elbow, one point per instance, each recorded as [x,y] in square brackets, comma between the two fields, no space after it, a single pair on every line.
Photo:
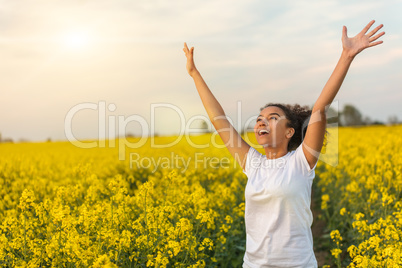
[218,121]
[318,115]
[319,109]
[217,116]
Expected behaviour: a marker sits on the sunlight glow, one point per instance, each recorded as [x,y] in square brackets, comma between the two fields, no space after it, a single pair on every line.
[76,40]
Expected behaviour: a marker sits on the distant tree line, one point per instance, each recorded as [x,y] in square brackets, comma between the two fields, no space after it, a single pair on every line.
[351,116]
[5,140]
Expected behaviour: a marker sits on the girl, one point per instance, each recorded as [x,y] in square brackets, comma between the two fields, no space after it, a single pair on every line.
[278,192]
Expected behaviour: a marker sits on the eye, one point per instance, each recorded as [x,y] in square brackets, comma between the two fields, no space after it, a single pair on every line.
[273,117]
[258,119]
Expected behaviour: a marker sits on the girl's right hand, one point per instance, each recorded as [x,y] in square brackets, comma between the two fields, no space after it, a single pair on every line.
[190,60]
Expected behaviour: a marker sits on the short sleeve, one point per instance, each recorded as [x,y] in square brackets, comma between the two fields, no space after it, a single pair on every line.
[302,163]
[253,161]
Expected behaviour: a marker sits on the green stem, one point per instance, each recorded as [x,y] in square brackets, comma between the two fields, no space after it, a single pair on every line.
[146,220]
[111,204]
[25,238]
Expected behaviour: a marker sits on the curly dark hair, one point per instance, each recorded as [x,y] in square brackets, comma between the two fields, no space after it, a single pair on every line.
[299,117]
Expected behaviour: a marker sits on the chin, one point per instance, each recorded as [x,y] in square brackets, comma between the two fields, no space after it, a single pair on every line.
[263,144]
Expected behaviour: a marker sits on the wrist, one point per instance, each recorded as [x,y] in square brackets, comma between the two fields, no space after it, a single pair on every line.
[194,72]
[347,55]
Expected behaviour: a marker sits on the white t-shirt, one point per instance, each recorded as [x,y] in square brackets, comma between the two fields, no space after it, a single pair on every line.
[277,214]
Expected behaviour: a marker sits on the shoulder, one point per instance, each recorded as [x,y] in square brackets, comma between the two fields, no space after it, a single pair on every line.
[253,153]
[299,162]
[253,160]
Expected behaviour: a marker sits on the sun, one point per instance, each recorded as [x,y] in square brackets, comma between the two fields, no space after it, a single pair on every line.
[76,40]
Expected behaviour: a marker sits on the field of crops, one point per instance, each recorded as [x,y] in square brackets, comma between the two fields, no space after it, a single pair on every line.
[182,206]
[361,197]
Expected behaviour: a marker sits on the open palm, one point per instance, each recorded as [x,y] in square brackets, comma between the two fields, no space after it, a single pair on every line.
[361,41]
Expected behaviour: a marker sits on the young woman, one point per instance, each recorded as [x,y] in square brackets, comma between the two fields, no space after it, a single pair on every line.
[278,193]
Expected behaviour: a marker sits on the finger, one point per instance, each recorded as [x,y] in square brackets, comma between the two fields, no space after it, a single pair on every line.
[376,37]
[365,29]
[375,30]
[344,32]
[375,43]
[185,49]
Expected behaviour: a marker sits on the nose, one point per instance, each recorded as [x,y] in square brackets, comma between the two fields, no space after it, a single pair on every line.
[263,123]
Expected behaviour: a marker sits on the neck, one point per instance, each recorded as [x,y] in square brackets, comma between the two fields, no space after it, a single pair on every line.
[275,152]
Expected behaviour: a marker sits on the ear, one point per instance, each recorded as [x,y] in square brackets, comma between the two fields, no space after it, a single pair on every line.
[290,132]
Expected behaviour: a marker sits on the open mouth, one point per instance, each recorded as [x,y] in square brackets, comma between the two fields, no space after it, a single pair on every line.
[263,132]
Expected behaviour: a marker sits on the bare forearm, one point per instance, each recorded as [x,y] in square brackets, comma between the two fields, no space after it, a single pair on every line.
[211,104]
[334,83]
[230,137]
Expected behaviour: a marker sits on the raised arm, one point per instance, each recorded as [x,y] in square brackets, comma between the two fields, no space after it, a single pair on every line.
[231,138]
[314,139]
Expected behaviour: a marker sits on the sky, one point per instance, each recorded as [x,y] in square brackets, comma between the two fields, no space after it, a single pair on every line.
[99,69]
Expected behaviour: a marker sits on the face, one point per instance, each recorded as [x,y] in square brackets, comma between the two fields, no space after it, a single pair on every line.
[271,128]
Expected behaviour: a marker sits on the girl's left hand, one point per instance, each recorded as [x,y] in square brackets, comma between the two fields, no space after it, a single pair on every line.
[354,45]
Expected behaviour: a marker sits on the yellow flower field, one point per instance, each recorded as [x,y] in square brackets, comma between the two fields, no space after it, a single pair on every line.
[65,206]
[181,206]
[361,197]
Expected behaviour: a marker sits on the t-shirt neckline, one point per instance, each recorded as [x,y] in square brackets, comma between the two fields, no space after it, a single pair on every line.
[279,158]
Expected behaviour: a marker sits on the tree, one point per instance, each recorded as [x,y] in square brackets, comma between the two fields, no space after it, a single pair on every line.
[367,120]
[204,127]
[332,116]
[351,116]
[392,120]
